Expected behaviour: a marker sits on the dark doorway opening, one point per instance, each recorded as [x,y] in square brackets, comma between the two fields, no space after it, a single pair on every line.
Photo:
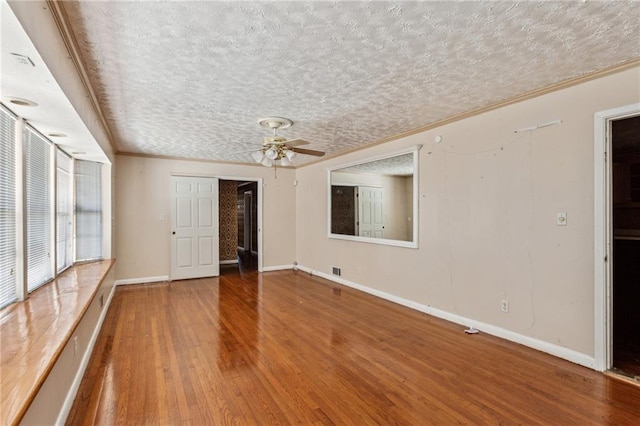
[247,207]
[626,245]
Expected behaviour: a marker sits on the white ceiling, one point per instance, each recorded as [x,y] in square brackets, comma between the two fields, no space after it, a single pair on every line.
[191,79]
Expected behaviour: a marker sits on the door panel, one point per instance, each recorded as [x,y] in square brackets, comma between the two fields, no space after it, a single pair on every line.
[194,218]
[184,252]
[205,250]
[183,211]
[370,212]
[205,213]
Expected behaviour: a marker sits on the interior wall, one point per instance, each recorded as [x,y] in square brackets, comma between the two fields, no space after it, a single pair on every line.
[143,212]
[488,200]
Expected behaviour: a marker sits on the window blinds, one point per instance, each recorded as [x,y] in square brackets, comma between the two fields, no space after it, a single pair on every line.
[7,208]
[38,196]
[88,210]
[64,217]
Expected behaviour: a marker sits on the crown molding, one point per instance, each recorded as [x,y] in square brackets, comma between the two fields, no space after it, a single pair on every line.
[68,37]
[199,160]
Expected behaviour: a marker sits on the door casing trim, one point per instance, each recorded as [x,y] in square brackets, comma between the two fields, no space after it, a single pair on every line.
[603,237]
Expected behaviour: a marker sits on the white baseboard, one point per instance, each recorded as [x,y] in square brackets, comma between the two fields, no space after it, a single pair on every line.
[276,268]
[555,350]
[229,262]
[75,385]
[142,280]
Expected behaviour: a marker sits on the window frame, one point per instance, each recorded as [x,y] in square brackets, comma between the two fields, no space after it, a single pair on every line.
[22,132]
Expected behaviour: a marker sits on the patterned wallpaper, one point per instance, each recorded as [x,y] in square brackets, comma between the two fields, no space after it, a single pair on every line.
[228,220]
[240,219]
[343,210]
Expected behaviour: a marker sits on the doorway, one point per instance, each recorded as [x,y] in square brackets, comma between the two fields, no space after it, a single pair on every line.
[617,241]
[625,190]
[248,250]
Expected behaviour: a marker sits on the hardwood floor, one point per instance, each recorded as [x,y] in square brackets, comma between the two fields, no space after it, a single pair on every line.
[284,347]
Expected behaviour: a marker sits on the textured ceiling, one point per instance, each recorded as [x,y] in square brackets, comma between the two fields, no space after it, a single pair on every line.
[191,79]
[399,165]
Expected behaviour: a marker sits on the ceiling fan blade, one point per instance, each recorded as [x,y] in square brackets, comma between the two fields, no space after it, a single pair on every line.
[308,152]
[296,142]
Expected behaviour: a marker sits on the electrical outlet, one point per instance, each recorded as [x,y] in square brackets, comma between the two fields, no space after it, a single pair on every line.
[504,305]
[336,271]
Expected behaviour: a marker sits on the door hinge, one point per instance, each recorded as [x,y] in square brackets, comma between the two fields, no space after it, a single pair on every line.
[605,156]
[606,258]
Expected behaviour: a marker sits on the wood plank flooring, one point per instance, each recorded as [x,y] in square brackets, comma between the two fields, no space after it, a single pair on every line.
[287,348]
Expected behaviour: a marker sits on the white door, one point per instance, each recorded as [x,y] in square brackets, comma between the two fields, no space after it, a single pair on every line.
[194,221]
[370,212]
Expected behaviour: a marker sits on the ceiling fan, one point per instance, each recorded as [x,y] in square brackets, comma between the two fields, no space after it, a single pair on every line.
[276,149]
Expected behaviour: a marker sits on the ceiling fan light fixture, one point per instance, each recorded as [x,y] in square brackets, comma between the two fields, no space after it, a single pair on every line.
[266,162]
[289,155]
[284,161]
[258,156]
[271,153]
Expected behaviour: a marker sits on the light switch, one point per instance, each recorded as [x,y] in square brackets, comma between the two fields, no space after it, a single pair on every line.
[561,219]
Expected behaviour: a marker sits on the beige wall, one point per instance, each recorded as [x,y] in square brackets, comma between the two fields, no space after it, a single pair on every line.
[142,196]
[488,200]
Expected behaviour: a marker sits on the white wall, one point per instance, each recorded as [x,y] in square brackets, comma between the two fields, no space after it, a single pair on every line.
[142,196]
[487,222]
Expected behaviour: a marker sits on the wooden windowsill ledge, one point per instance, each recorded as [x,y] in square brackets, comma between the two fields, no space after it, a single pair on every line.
[33,334]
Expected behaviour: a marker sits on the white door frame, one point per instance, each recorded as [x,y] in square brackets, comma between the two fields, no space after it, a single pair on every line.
[603,237]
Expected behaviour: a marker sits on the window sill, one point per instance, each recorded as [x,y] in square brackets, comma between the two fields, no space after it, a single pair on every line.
[33,333]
